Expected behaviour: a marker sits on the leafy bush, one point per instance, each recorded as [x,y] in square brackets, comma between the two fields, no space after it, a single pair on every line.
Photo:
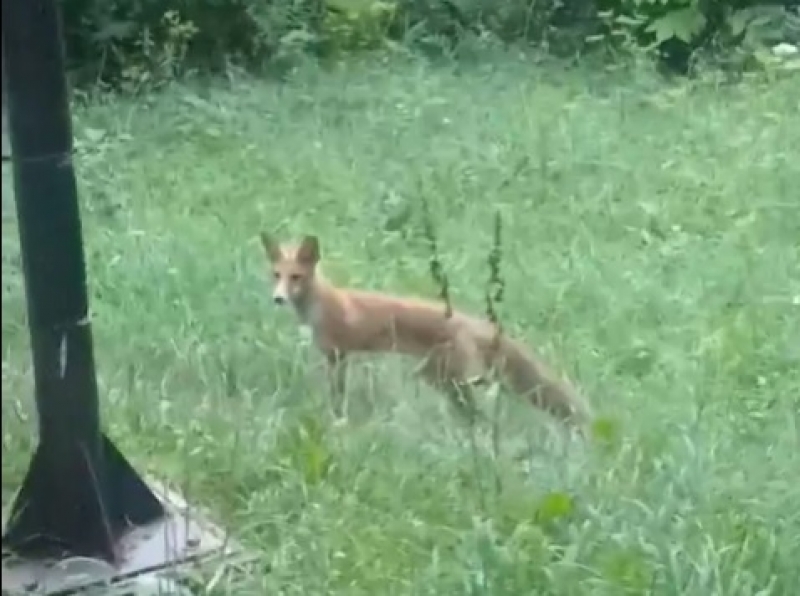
[351,25]
[679,30]
[117,40]
[145,42]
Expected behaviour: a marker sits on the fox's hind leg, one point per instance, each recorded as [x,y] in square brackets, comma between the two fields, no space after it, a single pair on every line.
[449,369]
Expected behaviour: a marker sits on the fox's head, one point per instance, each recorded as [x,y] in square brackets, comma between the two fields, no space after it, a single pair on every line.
[293,269]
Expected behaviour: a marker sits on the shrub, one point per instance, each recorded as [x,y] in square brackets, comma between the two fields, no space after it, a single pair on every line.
[113,40]
[137,42]
[680,30]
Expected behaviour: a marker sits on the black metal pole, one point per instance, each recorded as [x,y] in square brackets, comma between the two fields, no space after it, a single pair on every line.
[80,494]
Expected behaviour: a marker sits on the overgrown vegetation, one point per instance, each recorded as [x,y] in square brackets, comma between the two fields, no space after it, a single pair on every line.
[649,250]
[142,42]
[640,234]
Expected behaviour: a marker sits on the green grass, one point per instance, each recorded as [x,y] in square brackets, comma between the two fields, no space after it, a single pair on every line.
[651,251]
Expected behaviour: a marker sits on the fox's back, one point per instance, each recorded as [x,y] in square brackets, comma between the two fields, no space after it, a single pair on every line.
[373,320]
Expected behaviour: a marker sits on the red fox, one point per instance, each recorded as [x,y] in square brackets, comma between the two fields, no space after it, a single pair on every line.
[455,352]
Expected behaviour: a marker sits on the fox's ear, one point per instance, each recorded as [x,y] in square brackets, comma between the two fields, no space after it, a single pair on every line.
[308,252]
[272,248]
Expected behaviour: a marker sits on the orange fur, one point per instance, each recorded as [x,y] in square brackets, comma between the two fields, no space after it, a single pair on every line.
[455,352]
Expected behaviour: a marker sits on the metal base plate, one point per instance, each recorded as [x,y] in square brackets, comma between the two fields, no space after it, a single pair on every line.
[180,540]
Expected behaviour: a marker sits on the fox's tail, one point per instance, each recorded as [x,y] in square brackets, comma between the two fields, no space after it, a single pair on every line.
[531,379]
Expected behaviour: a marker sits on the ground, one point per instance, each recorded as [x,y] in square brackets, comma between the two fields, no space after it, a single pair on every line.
[650,253]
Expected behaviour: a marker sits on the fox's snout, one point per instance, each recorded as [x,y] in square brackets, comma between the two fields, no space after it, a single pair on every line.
[280,293]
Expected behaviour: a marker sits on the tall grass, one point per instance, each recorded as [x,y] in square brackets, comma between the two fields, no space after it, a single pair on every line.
[650,253]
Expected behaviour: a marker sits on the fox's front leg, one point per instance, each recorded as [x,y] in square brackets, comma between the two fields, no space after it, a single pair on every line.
[337,382]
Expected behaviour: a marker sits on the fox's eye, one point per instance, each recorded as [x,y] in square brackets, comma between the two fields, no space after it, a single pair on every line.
[295,278]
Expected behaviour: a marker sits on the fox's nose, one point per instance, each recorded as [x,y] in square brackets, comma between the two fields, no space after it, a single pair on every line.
[279,300]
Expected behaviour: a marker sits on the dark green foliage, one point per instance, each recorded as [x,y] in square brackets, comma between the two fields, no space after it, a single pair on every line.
[137,42]
[679,29]
[134,40]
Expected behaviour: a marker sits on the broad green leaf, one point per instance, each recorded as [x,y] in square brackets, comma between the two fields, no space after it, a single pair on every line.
[683,23]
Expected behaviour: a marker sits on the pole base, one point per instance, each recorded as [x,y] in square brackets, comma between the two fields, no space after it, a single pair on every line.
[51,517]
[181,539]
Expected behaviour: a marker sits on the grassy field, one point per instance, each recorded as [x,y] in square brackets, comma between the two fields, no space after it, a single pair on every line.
[651,243]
